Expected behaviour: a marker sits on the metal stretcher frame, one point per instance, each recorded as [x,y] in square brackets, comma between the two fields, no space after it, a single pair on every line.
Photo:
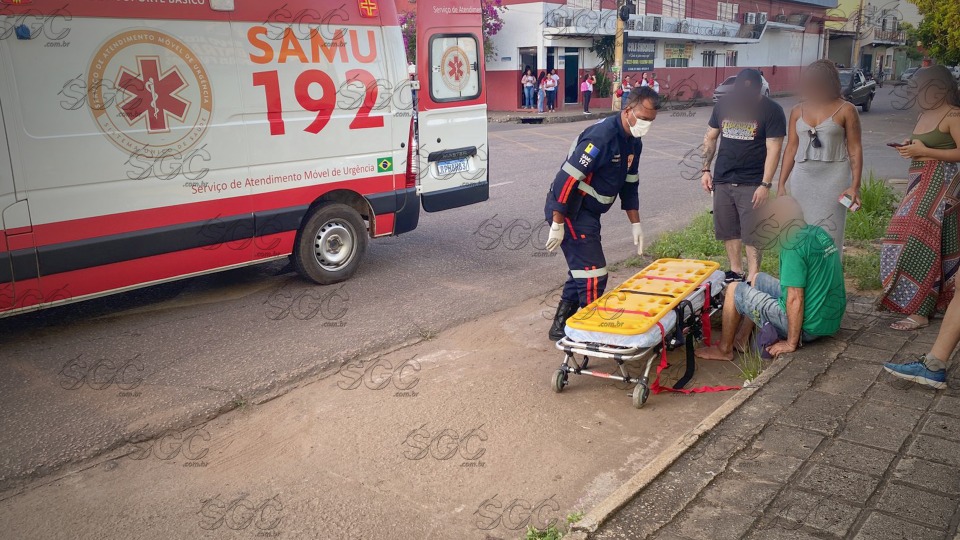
[690,327]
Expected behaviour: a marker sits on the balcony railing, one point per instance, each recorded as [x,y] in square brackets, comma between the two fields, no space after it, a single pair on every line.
[571,20]
[704,28]
[890,36]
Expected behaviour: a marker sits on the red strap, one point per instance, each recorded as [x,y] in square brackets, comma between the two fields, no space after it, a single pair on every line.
[621,310]
[705,314]
[656,388]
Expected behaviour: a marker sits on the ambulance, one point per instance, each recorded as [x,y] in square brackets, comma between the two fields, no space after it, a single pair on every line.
[143,141]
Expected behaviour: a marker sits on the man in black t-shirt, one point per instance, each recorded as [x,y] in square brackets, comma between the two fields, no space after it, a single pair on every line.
[749,129]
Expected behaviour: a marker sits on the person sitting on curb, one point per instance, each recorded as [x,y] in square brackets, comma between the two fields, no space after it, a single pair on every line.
[807,302]
[931,368]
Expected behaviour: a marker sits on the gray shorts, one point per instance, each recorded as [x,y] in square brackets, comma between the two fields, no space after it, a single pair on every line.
[761,304]
[733,213]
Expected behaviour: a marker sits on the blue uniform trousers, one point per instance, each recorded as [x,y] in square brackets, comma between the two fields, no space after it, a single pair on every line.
[587,276]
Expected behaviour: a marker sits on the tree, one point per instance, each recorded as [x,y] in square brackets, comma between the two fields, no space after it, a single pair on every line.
[408,27]
[940,29]
[492,23]
[911,36]
[606,49]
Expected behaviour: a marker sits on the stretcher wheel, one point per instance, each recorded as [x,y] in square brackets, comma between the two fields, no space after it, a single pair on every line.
[640,394]
[559,380]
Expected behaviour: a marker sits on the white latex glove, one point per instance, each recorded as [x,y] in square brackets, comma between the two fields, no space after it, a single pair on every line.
[638,238]
[555,236]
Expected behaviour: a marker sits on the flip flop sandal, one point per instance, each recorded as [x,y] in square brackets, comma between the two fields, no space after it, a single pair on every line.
[910,325]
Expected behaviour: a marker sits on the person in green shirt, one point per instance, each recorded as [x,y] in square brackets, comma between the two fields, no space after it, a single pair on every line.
[805,304]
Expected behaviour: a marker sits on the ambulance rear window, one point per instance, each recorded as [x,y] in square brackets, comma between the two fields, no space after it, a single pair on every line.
[455,67]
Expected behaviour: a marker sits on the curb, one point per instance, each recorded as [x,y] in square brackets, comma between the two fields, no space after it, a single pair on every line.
[527,118]
[508,117]
[629,489]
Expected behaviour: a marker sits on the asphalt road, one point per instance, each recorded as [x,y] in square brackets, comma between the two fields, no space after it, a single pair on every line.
[78,380]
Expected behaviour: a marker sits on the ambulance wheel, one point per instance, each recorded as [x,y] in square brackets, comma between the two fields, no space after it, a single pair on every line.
[640,394]
[330,244]
[559,380]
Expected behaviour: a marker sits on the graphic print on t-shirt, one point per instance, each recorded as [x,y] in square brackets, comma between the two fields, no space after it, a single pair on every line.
[739,129]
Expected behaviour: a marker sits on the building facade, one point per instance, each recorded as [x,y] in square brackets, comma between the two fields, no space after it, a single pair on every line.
[868,35]
[691,45]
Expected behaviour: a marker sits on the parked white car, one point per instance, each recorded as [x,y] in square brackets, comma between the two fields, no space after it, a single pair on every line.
[727,85]
[907,74]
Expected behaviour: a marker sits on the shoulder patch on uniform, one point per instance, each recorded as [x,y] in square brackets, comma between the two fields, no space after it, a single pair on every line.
[591,150]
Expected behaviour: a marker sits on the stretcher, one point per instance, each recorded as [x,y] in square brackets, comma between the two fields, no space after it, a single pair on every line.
[664,306]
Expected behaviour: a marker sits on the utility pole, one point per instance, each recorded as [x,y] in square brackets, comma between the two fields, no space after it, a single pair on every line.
[618,57]
[855,53]
[625,8]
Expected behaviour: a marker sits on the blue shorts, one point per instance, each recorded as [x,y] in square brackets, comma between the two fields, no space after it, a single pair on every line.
[760,302]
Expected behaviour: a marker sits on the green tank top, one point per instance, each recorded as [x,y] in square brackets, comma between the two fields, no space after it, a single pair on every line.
[935,138]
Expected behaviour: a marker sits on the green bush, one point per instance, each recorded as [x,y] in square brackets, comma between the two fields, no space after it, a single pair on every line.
[604,85]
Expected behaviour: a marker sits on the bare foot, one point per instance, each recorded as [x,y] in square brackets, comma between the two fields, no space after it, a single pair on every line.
[713,353]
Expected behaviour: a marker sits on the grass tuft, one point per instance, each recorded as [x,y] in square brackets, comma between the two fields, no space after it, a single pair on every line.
[878,203]
[864,269]
[750,364]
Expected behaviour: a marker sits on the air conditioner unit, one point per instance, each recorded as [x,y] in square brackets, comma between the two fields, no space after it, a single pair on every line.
[762,17]
[750,18]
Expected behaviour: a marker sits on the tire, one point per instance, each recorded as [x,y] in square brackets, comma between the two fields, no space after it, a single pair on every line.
[866,104]
[559,380]
[640,394]
[343,235]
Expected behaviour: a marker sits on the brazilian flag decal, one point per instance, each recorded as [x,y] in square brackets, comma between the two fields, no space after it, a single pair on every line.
[385,164]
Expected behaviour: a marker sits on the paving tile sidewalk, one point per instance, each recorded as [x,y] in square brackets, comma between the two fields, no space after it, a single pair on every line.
[830,447]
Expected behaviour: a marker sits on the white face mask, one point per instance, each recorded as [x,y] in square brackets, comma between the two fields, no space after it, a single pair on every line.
[641,127]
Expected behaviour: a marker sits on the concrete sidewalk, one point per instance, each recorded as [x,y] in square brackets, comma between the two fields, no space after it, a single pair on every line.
[827,446]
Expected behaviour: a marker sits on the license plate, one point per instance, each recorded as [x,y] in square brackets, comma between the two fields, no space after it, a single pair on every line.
[453,166]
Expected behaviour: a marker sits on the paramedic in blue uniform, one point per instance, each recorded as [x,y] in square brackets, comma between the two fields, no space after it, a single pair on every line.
[602,165]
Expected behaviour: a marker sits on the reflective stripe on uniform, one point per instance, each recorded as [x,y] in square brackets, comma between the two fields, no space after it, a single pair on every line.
[586,274]
[632,178]
[572,171]
[567,188]
[588,189]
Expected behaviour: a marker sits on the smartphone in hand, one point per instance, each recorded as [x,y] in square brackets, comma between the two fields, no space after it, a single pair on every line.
[849,203]
[895,144]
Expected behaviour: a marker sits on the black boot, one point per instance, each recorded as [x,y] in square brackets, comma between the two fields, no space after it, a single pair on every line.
[564,311]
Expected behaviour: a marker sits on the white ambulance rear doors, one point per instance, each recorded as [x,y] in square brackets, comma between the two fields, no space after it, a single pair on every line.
[452,110]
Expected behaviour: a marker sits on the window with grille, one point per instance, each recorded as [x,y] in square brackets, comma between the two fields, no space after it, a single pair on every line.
[731,58]
[675,8]
[709,58]
[727,11]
